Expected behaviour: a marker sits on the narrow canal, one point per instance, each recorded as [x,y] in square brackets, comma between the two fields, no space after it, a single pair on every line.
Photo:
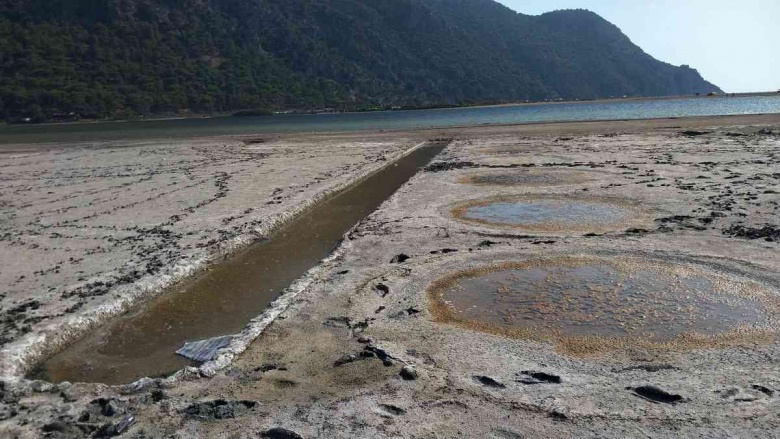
[224,298]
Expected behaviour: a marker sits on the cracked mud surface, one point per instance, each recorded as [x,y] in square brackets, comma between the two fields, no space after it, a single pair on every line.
[359,353]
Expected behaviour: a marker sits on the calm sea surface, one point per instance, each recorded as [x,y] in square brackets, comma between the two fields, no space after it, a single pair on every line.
[389,120]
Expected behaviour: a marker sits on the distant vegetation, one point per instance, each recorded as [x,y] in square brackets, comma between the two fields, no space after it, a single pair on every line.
[64,59]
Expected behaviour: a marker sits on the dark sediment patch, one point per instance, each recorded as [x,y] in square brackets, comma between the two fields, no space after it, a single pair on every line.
[529,178]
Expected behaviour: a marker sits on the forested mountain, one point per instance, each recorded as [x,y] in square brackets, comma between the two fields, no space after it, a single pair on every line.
[134,57]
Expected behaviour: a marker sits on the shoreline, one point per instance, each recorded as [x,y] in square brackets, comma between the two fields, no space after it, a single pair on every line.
[452,107]
[6,146]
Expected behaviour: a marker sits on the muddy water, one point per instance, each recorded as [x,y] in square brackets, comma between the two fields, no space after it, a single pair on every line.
[550,214]
[606,299]
[535,212]
[223,299]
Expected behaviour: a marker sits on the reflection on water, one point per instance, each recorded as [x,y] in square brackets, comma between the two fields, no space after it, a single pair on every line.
[602,299]
[389,120]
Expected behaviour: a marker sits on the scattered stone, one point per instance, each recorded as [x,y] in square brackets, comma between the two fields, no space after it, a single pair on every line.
[109,430]
[383,289]
[399,259]
[655,394]
[409,373]
[267,367]
[280,433]
[158,395]
[532,377]
[765,390]
[444,251]
[219,409]
[339,322]
[558,416]
[489,382]
[694,133]
[106,406]
[346,359]
[392,410]
[769,232]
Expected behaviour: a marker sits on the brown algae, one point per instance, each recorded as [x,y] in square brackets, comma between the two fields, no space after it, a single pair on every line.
[551,214]
[589,305]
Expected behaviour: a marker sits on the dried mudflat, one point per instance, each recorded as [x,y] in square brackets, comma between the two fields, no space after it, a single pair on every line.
[366,350]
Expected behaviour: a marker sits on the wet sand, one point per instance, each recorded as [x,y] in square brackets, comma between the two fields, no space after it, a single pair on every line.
[359,351]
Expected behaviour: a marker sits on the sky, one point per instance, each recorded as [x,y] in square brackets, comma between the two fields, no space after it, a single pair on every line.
[732,43]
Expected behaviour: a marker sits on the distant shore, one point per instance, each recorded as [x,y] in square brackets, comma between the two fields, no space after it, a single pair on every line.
[271,113]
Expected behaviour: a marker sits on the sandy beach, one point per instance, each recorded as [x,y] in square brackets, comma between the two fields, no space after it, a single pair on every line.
[379,342]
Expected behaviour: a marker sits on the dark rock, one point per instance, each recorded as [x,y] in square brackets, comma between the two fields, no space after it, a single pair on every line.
[219,409]
[56,426]
[383,289]
[346,359]
[267,367]
[280,433]
[558,416]
[158,395]
[486,243]
[655,394]
[765,390]
[532,377]
[693,133]
[489,382]
[392,410]
[444,251]
[408,373]
[768,232]
[399,259]
[109,430]
[106,406]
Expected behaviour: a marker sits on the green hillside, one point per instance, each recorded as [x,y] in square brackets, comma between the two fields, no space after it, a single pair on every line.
[119,58]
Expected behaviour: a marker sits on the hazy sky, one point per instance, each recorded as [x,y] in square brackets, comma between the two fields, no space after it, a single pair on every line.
[733,43]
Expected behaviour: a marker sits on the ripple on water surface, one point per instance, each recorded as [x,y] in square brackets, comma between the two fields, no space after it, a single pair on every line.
[551,214]
[597,297]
